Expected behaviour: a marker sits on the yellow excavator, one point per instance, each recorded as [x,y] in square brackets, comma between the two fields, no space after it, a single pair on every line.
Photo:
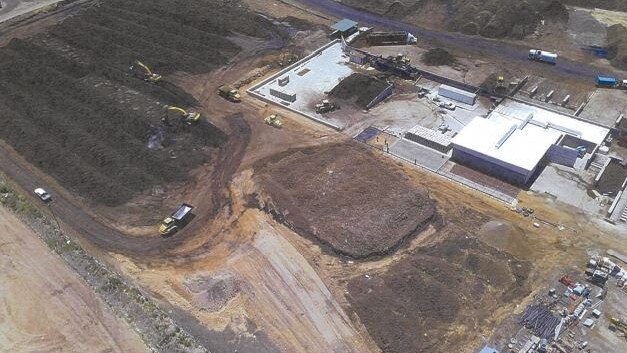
[274,120]
[400,59]
[188,118]
[619,325]
[142,71]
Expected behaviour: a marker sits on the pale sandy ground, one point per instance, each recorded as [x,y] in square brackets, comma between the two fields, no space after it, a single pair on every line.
[14,8]
[45,307]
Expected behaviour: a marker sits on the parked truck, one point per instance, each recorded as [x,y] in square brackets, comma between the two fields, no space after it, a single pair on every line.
[174,222]
[543,56]
[610,82]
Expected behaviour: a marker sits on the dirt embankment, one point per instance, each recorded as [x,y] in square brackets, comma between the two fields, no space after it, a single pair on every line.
[45,307]
[439,295]
[617,40]
[492,18]
[72,109]
[345,197]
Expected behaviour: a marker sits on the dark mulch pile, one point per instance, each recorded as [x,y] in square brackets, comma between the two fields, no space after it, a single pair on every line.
[359,88]
[57,114]
[438,57]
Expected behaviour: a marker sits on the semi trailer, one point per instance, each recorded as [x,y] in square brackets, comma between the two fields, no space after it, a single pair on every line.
[610,82]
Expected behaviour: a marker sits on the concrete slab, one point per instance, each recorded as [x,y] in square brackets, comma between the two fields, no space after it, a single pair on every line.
[569,186]
[418,154]
[605,106]
[308,79]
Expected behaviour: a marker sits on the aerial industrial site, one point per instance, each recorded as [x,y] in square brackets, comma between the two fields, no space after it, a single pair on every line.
[294,176]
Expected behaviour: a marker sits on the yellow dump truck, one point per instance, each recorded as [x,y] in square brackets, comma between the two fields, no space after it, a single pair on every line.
[177,220]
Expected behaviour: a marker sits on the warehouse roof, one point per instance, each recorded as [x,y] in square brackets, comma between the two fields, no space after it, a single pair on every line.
[344,25]
[517,112]
[503,141]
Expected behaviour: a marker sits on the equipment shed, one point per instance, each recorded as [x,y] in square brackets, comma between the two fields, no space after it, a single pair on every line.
[457,94]
[344,28]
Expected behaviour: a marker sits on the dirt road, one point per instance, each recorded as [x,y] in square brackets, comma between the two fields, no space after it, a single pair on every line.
[495,48]
[291,302]
[45,307]
[70,211]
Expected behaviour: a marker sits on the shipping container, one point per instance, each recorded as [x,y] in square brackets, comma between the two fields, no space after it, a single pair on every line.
[606,81]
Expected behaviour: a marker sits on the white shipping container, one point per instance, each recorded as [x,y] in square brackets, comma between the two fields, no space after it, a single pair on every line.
[457,94]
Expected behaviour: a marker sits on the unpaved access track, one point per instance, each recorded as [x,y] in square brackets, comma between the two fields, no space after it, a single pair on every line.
[70,211]
[45,307]
[498,49]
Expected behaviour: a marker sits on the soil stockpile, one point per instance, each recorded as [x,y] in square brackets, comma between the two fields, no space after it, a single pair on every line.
[359,89]
[71,108]
[346,197]
[617,50]
[613,178]
[435,298]
[438,57]
[556,11]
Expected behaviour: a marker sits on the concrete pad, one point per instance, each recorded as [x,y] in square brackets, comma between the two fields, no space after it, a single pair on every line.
[605,106]
[309,79]
[418,154]
[569,186]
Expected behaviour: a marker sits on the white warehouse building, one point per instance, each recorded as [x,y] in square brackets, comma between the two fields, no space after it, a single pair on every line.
[516,139]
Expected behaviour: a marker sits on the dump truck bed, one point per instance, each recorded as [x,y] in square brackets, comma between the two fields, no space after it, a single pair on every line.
[182,212]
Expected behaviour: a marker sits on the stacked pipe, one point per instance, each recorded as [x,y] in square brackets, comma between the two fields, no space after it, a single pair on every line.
[540,320]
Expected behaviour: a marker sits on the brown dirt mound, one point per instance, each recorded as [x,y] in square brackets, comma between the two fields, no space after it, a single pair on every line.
[432,300]
[489,18]
[359,88]
[346,197]
[438,57]
[556,11]
[617,50]
[613,178]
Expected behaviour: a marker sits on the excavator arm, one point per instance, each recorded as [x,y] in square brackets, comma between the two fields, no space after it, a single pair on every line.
[144,67]
[188,117]
[140,69]
[172,109]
